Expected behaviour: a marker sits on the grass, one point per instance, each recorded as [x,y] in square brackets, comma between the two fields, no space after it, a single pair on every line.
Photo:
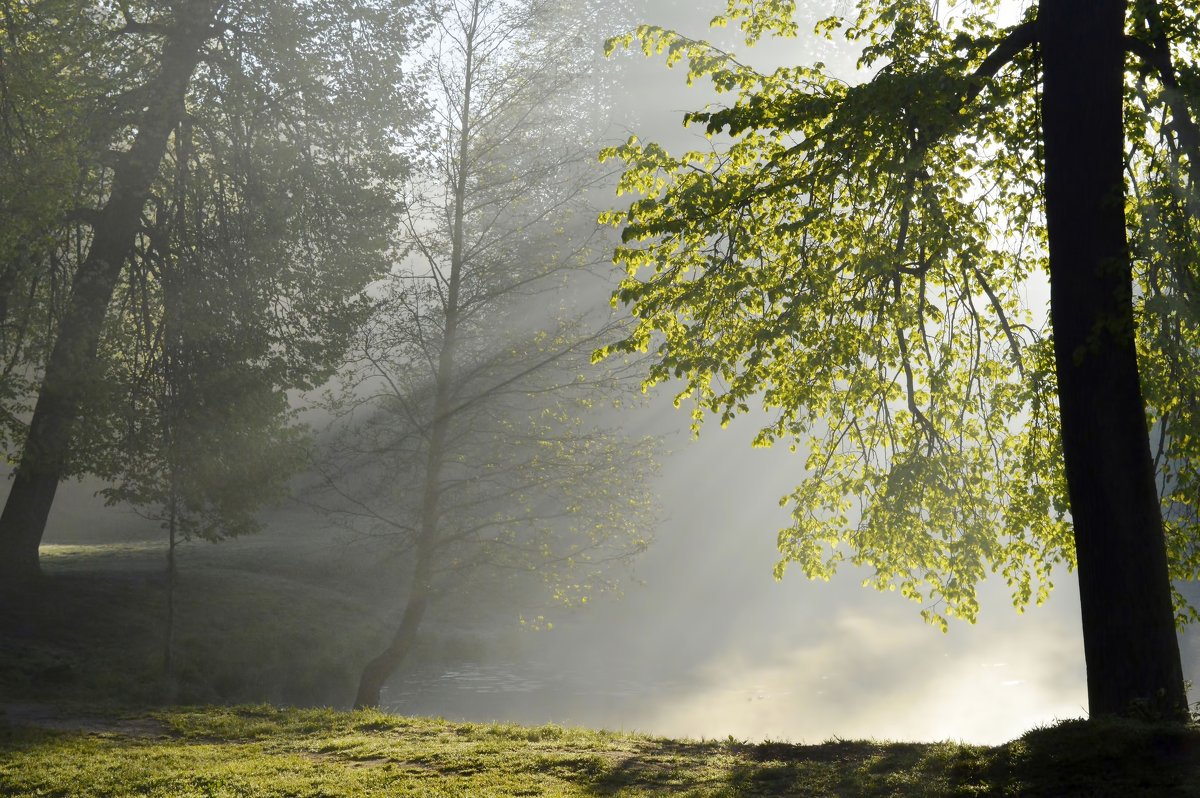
[94,626]
[257,620]
[85,709]
[263,751]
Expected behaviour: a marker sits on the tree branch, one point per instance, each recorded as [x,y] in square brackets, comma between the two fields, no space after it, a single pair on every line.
[1017,39]
[1156,55]
[1013,344]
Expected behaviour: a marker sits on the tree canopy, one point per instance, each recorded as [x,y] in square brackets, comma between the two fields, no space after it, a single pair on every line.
[215,193]
[468,434]
[860,258]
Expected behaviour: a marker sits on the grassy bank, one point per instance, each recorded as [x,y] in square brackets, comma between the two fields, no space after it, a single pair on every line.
[267,752]
[81,674]
[94,628]
[256,620]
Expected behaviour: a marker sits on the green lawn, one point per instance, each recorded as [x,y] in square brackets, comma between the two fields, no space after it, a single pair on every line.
[262,751]
[85,709]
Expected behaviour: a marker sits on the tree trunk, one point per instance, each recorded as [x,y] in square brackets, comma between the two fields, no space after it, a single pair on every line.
[377,671]
[1129,636]
[72,360]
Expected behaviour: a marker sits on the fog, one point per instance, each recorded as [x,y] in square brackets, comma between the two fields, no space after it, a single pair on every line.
[707,644]
[710,645]
[739,654]
[704,642]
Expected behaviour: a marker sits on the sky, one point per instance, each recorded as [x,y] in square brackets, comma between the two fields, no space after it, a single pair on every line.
[710,645]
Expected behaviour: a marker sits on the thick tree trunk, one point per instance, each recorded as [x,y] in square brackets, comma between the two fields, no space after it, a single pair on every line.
[72,359]
[1130,643]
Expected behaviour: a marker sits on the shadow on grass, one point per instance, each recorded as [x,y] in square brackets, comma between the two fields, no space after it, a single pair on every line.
[1075,758]
[1106,757]
[772,769]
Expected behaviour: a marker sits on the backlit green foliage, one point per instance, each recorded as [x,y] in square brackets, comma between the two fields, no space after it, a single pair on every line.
[858,259]
[270,214]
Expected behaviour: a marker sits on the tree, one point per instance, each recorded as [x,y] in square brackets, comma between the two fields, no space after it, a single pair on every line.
[469,437]
[45,77]
[286,121]
[853,256]
[44,457]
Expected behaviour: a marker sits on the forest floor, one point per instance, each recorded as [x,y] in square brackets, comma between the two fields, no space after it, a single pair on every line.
[85,709]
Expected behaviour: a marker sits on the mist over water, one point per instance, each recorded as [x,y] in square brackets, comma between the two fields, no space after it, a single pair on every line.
[711,646]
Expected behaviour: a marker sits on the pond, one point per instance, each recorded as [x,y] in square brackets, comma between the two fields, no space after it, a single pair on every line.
[856,677]
[532,692]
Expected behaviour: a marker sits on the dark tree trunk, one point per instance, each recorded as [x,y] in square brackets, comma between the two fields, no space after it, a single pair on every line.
[378,670]
[72,359]
[1130,643]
